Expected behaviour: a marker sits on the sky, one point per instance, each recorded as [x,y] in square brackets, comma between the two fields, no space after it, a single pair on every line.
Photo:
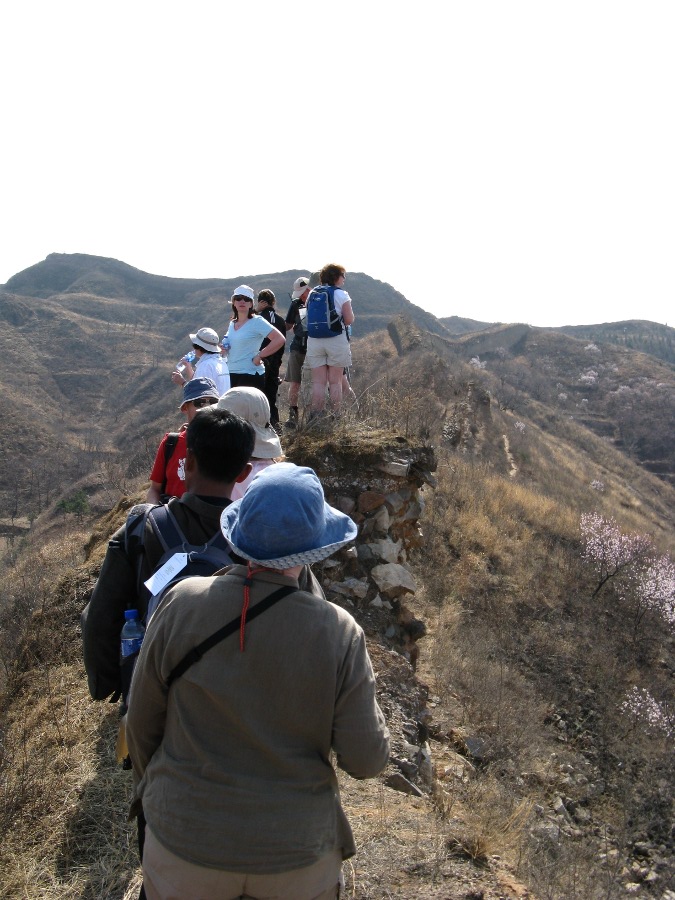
[510,162]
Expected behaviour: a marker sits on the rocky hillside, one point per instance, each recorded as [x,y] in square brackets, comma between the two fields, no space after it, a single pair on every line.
[514,772]
[512,775]
[67,798]
[621,395]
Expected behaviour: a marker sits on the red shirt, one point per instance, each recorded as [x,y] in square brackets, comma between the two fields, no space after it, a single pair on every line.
[174,471]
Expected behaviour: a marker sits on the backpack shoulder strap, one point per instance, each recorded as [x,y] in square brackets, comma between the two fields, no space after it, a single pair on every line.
[134,530]
[166,527]
[218,541]
[134,539]
[194,655]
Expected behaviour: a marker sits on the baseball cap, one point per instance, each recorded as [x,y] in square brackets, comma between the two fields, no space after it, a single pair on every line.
[244,291]
[299,287]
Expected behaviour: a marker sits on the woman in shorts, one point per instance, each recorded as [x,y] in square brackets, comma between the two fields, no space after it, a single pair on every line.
[328,357]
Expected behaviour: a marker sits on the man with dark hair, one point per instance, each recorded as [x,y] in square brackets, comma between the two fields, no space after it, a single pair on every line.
[266,309]
[219,446]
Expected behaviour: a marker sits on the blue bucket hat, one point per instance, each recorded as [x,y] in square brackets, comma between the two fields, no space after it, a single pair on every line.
[283,520]
[199,387]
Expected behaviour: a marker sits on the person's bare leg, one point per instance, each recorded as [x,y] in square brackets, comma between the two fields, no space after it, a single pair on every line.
[293,393]
[335,374]
[319,379]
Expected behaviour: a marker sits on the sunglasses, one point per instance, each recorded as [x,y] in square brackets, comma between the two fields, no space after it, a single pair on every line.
[203,401]
[243,300]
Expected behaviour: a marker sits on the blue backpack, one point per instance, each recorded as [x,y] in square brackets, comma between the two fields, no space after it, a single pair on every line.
[323,321]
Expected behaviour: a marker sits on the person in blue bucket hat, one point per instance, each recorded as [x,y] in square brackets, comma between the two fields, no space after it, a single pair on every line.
[232,754]
[286,521]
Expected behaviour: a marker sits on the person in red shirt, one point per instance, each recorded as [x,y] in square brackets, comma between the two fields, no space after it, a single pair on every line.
[167,478]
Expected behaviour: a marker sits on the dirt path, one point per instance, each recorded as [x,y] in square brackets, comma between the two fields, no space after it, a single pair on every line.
[513,468]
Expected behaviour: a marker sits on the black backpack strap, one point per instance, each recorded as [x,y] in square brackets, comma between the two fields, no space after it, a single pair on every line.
[218,540]
[171,537]
[166,528]
[169,447]
[134,538]
[194,655]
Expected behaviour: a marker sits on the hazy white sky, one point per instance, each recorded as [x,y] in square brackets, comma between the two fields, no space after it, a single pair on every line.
[498,161]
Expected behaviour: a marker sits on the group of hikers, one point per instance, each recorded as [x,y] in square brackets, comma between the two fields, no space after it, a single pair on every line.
[251,352]
[246,681]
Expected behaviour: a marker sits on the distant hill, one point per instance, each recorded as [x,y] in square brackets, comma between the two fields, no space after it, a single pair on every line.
[634,334]
[457,325]
[621,395]
[184,304]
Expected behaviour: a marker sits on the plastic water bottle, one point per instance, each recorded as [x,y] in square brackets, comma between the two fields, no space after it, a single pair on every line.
[132,634]
[225,343]
[188,358]
[131,639]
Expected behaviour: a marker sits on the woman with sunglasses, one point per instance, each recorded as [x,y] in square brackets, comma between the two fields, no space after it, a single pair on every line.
[246,333]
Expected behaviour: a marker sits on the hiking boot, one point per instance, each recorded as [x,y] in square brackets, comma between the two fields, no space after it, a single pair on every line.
[292,417]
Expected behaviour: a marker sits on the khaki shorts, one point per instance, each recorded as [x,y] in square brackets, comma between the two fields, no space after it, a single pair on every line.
[294,368]
[169,877]
[333,351]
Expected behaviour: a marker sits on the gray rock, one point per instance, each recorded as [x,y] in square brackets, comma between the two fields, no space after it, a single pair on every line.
[396,500]
[425,764]
[382,520]
[409,769]
[399,782]
[547,832]
[560,809]
[350,587]
[346,505]
[393,580]
[385,549]
[581,815]
[399,468]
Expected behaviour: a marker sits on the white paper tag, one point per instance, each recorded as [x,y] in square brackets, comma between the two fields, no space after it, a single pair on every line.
[169,570]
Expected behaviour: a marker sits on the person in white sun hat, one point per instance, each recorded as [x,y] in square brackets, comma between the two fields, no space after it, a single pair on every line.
[253,406]
[245,334]
[209,362]
[232,757]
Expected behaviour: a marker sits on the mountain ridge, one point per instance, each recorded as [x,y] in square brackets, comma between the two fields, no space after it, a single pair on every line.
[531,770]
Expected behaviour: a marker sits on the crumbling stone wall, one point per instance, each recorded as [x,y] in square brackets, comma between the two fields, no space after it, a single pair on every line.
[380,483]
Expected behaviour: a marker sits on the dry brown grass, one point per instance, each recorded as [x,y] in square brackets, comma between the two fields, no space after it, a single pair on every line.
[64,798]
[512,644]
